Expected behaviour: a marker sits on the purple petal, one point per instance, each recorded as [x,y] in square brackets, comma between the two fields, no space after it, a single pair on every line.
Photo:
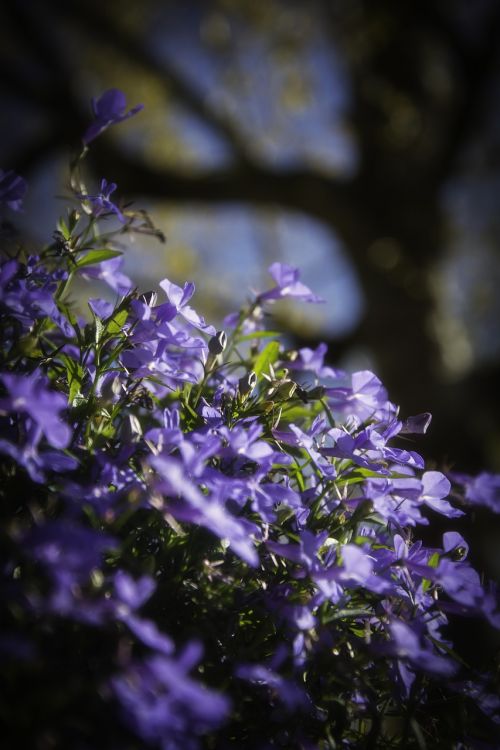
[283,274]
[131,592]
[110,105]
[173,292]
[453,541]
[417,425]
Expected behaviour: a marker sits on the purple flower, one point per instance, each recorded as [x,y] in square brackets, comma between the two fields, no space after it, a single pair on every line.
[178,299]
[203,510]
[410,555]
[147,632]
[265,496]
[305,553]
[65,546]
[396,499]
[33,460]
[29,394]
[417,425]
[12,189]
[243,440]
[27,291]
[109,272]
[100,307]
[488,702]
[101,203]
[133,593]
[312,360]
[287,285]
[357,570]
[455,544]
[163,705]
[292,695]
[70,552]
[364,449]
[460,582]
[109,109]
[307,441]
[365,397]
[407,646]
[481,490]
[435,487]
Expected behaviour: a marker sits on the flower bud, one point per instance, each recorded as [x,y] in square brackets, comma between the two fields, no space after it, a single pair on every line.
[217,343]
[131,429]
[247,383]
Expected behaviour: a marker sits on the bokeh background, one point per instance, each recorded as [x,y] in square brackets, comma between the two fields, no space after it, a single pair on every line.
[358,139]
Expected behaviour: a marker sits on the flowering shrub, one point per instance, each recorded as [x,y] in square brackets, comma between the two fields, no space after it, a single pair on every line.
[209,540]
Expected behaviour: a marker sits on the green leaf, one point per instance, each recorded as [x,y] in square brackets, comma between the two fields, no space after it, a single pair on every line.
[292,412]
[258,335]
[296,468]
[62,227]
[99,329]
[267,357]
[74,374]
[433,560]
[97,256]
[432,563]
[73,219]
[358,475]
[116,322]
[346,614]
[418,734]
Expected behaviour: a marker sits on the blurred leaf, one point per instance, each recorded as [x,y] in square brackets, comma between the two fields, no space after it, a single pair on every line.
[74,375]
[267,357]
[258,335]
[97,256]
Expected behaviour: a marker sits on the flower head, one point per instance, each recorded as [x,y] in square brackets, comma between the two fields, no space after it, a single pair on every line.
[101,203]
[29,394]
[178,299]
[12,189]
[109,109]
[287,285]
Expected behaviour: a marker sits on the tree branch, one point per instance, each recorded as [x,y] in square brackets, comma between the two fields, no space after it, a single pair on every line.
[336,202]
[108,31]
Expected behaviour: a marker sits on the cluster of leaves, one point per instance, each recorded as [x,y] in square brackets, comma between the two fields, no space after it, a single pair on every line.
[209,540]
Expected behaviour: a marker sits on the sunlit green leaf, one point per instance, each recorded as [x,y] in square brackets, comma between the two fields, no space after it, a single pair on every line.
[268,356]
[97,256]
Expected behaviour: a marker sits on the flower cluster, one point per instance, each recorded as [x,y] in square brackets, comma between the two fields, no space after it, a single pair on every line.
[209,540]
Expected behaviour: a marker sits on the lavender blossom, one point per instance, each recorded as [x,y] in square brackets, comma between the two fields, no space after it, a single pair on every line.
[109,272]
[287,285]
[108,109]
[178,299]
[12,189]
[162,704]
[28,394]
[101,203]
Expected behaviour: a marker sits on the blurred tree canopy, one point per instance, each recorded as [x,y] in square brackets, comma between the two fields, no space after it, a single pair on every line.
[361,132]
